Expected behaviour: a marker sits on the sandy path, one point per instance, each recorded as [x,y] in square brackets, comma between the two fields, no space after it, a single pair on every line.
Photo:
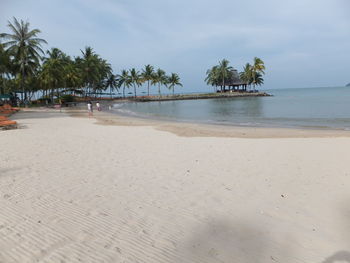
[74,191]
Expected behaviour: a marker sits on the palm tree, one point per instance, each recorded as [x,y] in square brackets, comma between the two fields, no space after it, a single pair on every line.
[4,67]
[112,83]
[135,79]
[213,77]
[258,67]
[94,69]
[174,80]
[147,75]
[160,78]
[26,47]
[224,70]
[124,80]
[53,70]
[72,77]
[258,79]
[247,74]
[89,66]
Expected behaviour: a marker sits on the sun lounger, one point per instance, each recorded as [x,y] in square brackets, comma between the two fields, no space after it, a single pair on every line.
[8,124]
[5,111]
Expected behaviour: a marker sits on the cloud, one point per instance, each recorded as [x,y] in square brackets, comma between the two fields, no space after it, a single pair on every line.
[189,36]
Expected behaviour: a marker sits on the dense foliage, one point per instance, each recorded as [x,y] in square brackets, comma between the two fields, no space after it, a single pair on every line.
[220,75]
[27,70]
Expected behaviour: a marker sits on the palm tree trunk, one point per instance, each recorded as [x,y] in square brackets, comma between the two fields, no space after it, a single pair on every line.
[223,81]
[22,84]
[159,89]
[135,90]
[148,87]
[173,90]
[124,90]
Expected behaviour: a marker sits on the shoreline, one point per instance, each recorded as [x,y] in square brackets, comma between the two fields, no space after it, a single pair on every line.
[199,96]
[185,129]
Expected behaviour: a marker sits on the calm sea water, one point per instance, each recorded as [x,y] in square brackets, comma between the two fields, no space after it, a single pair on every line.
[320,108]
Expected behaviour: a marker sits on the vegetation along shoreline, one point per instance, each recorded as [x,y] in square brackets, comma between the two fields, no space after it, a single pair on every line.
[29,76]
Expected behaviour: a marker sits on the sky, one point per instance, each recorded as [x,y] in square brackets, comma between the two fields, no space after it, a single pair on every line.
[304,43]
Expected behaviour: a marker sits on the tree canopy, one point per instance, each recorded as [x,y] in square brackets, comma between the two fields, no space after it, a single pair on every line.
[222,74]
[27,69]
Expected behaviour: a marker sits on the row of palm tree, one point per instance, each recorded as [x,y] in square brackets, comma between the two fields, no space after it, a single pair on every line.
[25,68]
[133,79]
[220,75]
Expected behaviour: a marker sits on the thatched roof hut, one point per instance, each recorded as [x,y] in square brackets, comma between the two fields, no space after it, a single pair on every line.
[234,82]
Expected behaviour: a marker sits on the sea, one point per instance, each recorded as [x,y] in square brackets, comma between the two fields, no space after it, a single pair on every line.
[310,108]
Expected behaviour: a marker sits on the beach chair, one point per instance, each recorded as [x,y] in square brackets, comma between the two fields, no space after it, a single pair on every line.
[5,111]
[8,124]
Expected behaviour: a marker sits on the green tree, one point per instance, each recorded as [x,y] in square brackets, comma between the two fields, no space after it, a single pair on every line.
[160,78]
[224,71]
[258,69]
[53,71]
[173,80]
[135,79]
[94,70]
[213,77]
[124,80]
[25,46]
[147,75]
[258,79]
[5,68]
[247,74]
[72,77]
[112,83]
[89,69]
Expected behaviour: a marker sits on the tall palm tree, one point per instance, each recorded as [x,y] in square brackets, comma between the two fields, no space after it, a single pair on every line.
[213,77]
[89,66]
[174,80]
[258,67]
[160,78]
[224,70]
[72,77]
[147,75]
[135,79]
[112,83]
[124,80]
[26,47]
[247,74]
[5,65]
[53,70]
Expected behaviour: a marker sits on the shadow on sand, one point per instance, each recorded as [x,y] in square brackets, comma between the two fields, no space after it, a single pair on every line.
[340,256]
[223,241]
[241,242]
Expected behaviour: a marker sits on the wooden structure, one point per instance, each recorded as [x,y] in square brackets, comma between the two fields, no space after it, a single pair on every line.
[234,83]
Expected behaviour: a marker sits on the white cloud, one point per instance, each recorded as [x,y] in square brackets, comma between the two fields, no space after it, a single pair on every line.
[191,35]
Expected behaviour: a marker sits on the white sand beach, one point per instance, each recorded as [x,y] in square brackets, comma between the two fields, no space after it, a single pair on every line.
[72,190]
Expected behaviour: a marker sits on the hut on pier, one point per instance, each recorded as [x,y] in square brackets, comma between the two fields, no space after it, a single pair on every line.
[234,83]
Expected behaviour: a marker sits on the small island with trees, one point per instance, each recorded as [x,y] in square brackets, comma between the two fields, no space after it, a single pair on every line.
[29,75]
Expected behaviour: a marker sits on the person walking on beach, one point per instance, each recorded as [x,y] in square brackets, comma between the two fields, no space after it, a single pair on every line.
[90,110]
[98,106]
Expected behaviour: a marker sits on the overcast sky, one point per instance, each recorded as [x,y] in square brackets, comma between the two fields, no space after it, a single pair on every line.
[304,43]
